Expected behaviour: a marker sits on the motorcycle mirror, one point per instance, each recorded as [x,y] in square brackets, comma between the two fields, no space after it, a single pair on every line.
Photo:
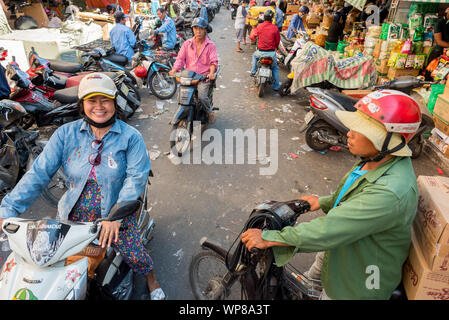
[123,209]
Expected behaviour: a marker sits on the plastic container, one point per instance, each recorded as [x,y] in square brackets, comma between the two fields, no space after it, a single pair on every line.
[436,89]
[342,45]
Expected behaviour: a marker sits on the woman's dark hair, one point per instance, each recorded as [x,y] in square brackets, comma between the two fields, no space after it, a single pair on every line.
[161,10]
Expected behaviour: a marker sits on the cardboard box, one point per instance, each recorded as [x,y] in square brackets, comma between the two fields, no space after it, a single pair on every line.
[440,141]
[358,94]
[441,108]
[420,283]
[382,80]
[377,48]
[433,208]
[106,29]
[293,8]
[381,66]
[435,255]
[441,125]
[36,10]
[394,73]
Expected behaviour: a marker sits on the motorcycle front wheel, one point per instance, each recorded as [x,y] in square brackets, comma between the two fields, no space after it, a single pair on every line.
[206,272]
[162,85]
[181,142]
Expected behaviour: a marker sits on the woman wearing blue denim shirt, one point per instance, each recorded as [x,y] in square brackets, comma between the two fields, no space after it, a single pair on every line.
[106,162]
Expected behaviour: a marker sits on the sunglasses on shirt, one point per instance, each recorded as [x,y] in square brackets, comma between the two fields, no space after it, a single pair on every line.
[95,158]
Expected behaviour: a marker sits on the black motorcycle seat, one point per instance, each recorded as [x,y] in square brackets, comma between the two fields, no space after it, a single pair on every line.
[118,58]
[67,95]
[63,66]
[345,101]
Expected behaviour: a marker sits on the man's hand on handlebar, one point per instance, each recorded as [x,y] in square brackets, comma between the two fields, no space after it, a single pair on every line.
[211,76]
[313,201]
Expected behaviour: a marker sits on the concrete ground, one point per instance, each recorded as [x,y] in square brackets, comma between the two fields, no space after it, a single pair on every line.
[190,201]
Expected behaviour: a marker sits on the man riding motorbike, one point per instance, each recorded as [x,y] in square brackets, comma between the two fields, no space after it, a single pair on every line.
[122,37]
[168,29]
[297,22]
[366,233]
[269,38]
[199,54]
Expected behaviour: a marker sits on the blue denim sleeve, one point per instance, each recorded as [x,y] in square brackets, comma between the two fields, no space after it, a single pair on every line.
[137,171]
[35,179]
[132,38]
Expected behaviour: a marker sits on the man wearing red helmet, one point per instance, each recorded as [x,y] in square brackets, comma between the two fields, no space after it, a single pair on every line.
[366,233]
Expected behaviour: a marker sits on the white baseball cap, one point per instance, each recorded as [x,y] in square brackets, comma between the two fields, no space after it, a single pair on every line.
[96,84]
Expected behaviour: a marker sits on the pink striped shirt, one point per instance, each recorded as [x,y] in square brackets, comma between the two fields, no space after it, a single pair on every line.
[187,57]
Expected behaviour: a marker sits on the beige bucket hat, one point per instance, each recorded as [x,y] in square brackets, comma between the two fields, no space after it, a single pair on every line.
[372,129]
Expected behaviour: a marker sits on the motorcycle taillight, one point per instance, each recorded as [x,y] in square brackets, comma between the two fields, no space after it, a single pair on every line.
[266,61]
[316,103]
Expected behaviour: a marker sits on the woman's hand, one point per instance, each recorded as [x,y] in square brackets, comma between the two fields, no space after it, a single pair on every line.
[109,232]
[313,201]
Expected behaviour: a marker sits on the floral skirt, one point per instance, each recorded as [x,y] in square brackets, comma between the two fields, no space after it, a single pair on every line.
[88,209]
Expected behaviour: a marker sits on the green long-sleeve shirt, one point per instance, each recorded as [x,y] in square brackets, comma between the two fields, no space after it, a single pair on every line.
[366,238]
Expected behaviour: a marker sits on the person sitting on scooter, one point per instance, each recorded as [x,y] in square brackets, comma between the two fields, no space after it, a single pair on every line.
[269,38]
[168,29]
[297,22]
[366,233]
[122,37]
[199,54]
[106,162]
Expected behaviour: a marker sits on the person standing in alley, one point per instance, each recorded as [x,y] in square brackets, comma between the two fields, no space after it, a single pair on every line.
[240,20]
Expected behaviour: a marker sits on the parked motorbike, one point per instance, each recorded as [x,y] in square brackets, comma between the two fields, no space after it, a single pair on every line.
[189,111]
[45,78]
[283,50]
[40,248]
[18,150]
[216,273]
[323,129]
[63,107]
[153,74]
[264,75]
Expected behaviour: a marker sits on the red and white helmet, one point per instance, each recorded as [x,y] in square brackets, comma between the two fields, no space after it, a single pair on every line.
[397,111]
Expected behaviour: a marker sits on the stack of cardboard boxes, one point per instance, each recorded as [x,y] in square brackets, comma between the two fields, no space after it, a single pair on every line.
[440,134]
[387,70]
[426,271]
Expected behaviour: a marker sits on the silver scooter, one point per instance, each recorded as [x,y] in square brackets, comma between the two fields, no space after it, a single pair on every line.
[324,130]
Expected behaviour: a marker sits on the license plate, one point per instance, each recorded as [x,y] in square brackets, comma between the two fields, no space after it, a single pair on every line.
[265,72]
[125,89]
[184,95]
[309,116]
[121,102]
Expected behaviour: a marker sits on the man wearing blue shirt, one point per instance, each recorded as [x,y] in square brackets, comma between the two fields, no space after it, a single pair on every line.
[278,15]
[168,29]
[297,22]
[122,37]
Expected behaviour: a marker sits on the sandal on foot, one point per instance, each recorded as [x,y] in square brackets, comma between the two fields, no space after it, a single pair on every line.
[157,294]
[239,50]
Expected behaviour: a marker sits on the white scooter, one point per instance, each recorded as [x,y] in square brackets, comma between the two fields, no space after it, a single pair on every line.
[36,270]
[301,40]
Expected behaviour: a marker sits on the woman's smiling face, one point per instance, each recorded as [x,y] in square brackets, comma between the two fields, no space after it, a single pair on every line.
[99,108]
